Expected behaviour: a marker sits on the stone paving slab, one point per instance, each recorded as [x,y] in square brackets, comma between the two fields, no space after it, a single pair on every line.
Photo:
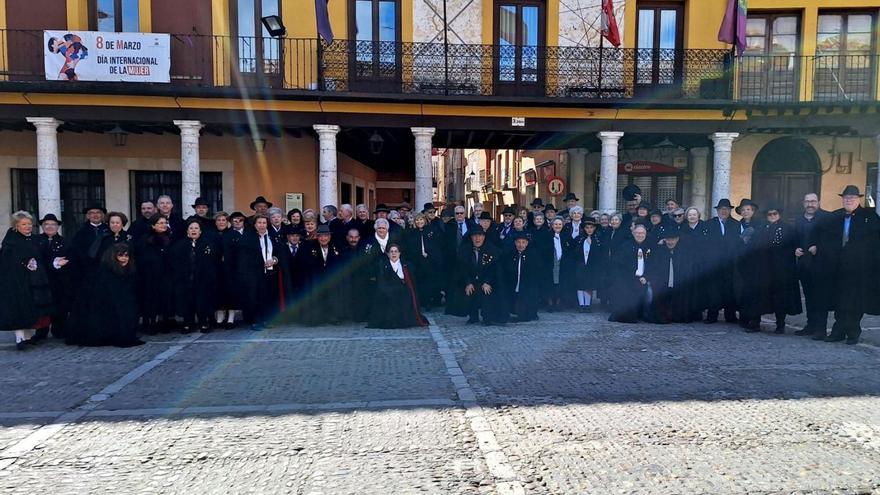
[265,373]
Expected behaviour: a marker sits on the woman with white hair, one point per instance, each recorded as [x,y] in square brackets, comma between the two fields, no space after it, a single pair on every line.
[25,294]
[276,225]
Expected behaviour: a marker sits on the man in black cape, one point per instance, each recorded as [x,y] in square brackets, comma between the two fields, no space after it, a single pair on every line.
[670,274]
[142,226]
[720,262]
[628,278]
[321,286]
[480,281]
[256,273]
[53,246]
[814,271]
[85,247]
[358,269]
[291,257]
[852,241]
[522,279]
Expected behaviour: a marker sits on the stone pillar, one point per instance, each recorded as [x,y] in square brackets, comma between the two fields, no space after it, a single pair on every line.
[327,181]
[699,181]
[191,184]
[424,184]
[608,171]
[48,177]
[721,165]
[577,174]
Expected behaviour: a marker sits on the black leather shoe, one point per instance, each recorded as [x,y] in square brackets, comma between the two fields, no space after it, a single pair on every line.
[852,341]
[472,321]
[779,330]
[709,321]
[819,336]
[803,331]
[835,338]
[21,345]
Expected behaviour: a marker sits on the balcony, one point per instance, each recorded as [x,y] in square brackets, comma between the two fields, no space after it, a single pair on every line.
[206,64]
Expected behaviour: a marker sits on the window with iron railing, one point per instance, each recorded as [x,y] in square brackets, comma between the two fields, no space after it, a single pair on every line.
[770,68]
[844,66]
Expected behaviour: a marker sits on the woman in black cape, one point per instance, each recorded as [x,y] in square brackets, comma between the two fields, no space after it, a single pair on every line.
[696,243]
[590,264]
[424,256]
[752,266]
[395,303]
[155,280]
[784,292]
[542,247]
[196,268]
[115,234]
[110,313]
[25,295]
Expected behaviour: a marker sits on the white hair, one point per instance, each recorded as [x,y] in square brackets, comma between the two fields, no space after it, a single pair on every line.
[380,222]
[275,211]
[346,207]
[21,215]
[361,207]
[393,215]
[576,209]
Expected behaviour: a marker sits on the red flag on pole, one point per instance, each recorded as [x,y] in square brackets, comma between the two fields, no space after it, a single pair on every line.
[609,23]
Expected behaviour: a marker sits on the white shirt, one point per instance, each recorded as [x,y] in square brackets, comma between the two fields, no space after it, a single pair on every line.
[557,246]
[382,242]
[397,266]
[640,266]
[587,244]
[721,223]
[324,251]
[266,248]
[518,271]
[575,229]
[671,282]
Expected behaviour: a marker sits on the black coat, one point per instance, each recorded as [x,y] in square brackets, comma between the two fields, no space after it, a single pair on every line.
[395,303]
[196,272]
[856,265]
[155,276]
[226,241]
[84,253]
[719,262]
[321,304]
[784,294]
[488,270]
[427,268]
[358,268]
[541,246]
[589,274]
[524,304]
[816,272]
[751,283]
[696,243]
[25,295]
[626,290]
[339,230]
[109,315]
[676,303]
[108,239]
[365,227]
[60,281]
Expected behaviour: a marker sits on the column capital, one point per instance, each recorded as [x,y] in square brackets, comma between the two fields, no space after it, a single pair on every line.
[44,122]
[326,129]
[189,126]
[423,131]
[700,152]
[609,135]
[723,137]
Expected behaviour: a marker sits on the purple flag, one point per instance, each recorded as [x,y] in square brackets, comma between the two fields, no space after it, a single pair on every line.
[324,29]
[733,27]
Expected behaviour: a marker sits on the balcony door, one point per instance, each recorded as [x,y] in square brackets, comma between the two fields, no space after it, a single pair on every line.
[520,40]
[375,51]
[659,48]
[256,55]
[844,66]
[770,68]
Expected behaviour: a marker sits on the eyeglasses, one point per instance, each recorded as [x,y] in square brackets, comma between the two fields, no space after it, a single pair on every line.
[459,213]
[679,215]
[772,213]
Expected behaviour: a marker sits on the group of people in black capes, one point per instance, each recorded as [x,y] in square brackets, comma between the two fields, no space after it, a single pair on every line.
[163,273]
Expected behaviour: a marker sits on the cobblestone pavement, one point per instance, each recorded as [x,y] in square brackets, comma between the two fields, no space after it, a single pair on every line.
[569,404]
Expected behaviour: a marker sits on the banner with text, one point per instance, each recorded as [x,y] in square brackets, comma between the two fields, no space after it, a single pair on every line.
[99,56]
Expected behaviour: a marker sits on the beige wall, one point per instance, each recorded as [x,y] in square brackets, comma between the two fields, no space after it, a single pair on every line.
[287,165]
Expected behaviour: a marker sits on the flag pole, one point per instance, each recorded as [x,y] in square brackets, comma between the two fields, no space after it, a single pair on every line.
[601,57]
[445,52]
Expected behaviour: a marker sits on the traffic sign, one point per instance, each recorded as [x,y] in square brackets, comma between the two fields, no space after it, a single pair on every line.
[556,186]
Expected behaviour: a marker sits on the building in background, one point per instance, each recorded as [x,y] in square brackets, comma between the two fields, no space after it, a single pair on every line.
[224,110]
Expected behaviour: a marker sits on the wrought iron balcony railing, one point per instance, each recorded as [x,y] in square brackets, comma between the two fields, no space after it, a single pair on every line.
[364,68]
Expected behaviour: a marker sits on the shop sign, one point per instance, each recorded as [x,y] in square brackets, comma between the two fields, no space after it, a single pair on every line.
[645,167]
[531,177]
[102,56]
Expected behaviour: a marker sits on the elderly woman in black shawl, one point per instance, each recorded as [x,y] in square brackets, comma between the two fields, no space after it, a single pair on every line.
[25,295]
[395,303]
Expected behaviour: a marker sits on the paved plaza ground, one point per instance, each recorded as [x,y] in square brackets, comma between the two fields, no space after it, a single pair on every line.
[569,404]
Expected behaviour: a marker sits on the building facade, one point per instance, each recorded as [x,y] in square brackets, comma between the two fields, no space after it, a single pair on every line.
[518,89]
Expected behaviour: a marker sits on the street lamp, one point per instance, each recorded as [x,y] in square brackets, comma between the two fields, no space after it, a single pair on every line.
[119,135]
[376,143]
[274,26]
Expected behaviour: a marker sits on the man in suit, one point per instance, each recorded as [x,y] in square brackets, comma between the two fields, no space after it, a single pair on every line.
[141,227]
[505,228]
[256,273]
[851,239]
[722,241]
[344,222]
[811,268]
[176,227]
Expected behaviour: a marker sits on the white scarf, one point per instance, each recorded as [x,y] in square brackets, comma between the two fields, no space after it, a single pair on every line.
[587,244]
[382,242]
[640,266]
[557,246]
[397,266]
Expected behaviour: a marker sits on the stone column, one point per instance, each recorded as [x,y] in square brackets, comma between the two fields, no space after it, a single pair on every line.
[608,171]
[48,177]
[327,181]
[699,180]
[721,165]
[191,184]
[577,173]
[424,184]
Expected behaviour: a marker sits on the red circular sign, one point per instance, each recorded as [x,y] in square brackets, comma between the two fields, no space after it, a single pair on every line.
[556,186]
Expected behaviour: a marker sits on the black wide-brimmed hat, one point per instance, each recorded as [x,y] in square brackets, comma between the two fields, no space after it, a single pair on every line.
[428,207]
[655,212]
[236,214]
[94,207]
[475,231]
[381,208]
[630,191]
[520,235]
[851,190]
[200,201]
[645,205]
[746,202]
[589,221]
[571,196]
[773,207]
[550,207]
[294,229]
[48,217]
[404,206]
[261,199]
[509,210]
[723,203]
[537,202]
[323,229]
[485,216]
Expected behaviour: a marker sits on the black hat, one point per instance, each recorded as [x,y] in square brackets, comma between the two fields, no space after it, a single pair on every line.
[520,235]
[50,216]
[672,232]
[294,229]
[630,191]
[655,212]
[589,221]
[644,204]
[537,202]
[851,190]
[260,199]
[485,216]
[746,202]
[550,207]
[236,214]
[571,196]
[200,201]
[723,203]
[405,206]
[508,210]
[381,207]
[774,207]
[475,231]
[323,229]
[447,212]
[428,207]
[94,207]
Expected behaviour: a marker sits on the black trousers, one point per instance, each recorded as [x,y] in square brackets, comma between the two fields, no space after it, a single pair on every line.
[847,323]
[720,293]
[817,319]
[261,298]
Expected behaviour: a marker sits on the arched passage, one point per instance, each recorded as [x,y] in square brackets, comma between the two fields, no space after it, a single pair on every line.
[784,170]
